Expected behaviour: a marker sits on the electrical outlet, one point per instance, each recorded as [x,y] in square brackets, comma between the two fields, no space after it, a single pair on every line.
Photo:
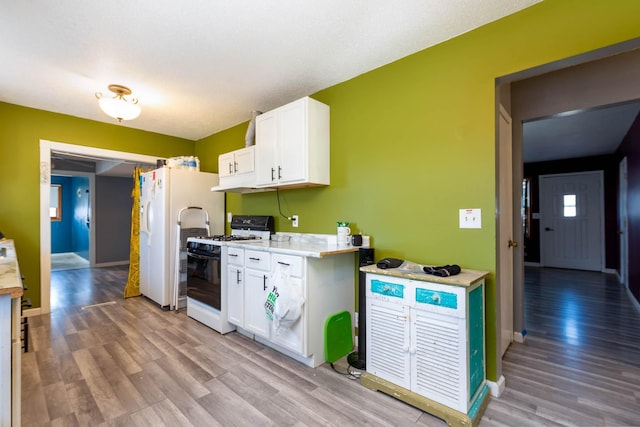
[294,220]
[229,216]
[470,218]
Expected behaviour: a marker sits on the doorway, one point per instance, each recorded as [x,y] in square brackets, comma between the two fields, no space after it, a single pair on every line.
[548,90]
[46,150]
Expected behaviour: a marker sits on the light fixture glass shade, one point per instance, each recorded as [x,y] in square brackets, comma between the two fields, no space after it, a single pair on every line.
[119,108]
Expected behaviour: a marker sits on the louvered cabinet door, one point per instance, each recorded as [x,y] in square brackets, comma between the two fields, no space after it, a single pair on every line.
[438,358]
[388,341]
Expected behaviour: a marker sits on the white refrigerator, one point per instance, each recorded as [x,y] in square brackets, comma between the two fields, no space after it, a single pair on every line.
[163,193]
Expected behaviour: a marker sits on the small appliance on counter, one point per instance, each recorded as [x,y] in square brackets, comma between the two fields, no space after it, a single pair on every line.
[206,265]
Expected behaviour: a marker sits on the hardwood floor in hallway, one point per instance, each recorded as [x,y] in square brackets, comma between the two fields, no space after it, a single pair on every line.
[128,363]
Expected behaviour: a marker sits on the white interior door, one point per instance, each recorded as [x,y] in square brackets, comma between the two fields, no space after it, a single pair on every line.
[571,223]
[506,241]
[623,212]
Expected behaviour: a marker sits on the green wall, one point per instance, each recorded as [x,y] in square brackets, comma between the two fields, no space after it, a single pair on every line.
[414,141]
[411,144]
[21,130]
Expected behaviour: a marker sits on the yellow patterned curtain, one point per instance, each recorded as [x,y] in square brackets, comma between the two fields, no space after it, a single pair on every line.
[132,289]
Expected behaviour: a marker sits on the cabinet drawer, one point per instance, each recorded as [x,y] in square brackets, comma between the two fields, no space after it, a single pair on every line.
[389,289]
[292,263]
[235,256]
[436,298]
[258,260]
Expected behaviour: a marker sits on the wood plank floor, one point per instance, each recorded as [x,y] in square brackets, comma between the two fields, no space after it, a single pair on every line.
[128,363]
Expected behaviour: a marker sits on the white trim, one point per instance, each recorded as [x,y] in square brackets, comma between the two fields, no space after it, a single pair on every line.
[30,312]
[45,180]
[610,271]
[496,388]
[112,263]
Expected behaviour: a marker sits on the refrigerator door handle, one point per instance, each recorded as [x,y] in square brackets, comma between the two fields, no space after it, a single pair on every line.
[144,221]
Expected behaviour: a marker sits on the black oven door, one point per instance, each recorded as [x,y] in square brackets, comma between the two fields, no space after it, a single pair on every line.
[203,277]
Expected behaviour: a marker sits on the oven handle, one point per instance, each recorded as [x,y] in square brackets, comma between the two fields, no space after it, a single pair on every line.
[198,256]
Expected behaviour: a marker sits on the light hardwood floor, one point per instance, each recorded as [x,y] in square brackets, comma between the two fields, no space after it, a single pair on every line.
[128,363]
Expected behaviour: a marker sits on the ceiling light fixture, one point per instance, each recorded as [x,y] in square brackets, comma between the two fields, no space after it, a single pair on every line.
[119,107]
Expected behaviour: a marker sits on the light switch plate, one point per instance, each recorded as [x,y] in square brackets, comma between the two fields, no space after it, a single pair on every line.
[470,218]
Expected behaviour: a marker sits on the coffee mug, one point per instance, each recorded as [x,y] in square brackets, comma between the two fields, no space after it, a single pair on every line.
[356,240]
[343,235]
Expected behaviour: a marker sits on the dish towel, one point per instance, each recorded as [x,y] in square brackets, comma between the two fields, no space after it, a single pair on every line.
[443,271]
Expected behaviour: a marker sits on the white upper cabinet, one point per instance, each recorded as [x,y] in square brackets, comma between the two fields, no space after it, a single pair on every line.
[237,162]
[236,170]
[292,144]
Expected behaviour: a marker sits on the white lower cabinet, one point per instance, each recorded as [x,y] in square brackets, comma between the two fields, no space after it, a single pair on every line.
[235,285]
[326,284]
[256,274]
[291,338]
[427,338]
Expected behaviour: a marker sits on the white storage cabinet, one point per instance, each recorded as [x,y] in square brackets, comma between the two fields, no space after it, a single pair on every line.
[427,337]
[292,144]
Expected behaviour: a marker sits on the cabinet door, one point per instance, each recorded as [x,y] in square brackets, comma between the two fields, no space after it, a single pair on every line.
[244,160]
[235,295]
[266,146]
[256,291]
[292,338]
[225,165]
[293,142]
[438,362]
[388,341]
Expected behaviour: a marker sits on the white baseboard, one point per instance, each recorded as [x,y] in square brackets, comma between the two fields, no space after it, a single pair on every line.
[610,271]
[532,264]
[29,312]
[496,388]
[111,264]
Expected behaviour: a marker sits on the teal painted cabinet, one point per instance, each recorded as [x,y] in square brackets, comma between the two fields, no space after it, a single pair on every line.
[428,336]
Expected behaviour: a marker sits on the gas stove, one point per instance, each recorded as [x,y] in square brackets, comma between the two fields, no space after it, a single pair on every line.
[243,228]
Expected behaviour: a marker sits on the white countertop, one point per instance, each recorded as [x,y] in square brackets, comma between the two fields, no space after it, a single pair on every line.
[301,244]
[10,279]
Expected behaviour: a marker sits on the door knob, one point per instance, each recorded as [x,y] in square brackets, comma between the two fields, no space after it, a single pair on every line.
[512,244]
[548,229]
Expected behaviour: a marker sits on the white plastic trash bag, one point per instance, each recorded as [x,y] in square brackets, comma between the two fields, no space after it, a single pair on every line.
[285,301]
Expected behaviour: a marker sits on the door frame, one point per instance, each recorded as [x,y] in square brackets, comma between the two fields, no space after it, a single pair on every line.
[503,92]
[623,222]
[506,241]
[46,147]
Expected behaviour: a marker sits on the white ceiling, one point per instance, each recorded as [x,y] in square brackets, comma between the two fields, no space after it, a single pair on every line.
[582,133]
[201,66]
